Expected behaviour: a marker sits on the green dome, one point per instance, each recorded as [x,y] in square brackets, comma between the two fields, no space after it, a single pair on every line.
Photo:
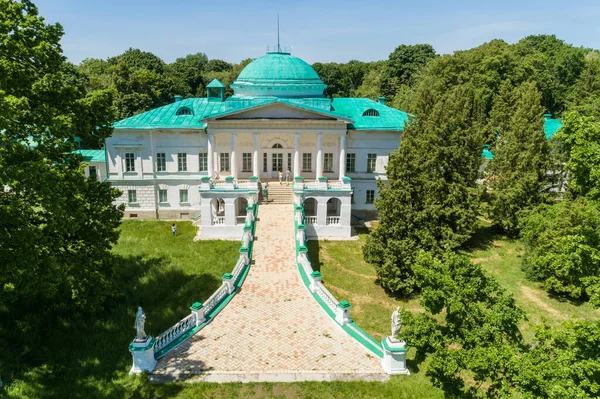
[278,75]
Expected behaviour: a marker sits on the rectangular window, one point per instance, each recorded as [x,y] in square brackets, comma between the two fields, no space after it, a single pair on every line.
[224,157]
[161,162]
[306,162]
[130,162]
[203,162]
[182,162]
[351,162]
[289,164]
[183,196]
[93,172]
[371,162]
[132,196]
[370,196]
[247,162]
[162,196]
[265,163]
[328,162]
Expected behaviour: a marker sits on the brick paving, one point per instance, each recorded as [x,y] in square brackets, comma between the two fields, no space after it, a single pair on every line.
[273,325]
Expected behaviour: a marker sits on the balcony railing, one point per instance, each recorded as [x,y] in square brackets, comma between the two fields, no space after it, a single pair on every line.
[333,220]
[310,219]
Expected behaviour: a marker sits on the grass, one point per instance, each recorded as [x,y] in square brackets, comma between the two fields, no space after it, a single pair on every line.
[164,274]
[501,257]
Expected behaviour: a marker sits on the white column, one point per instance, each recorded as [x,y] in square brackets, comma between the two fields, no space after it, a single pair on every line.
[319,155]
[210,156]
[255,156]
[232,163]
[297,155]
[342,155]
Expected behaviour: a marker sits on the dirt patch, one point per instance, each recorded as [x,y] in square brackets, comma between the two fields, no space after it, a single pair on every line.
[534,297]
[497,243]
[494,257]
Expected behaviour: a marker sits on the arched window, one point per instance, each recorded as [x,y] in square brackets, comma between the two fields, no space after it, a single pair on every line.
[184,111]
[371,112]
[277,146]
[310,207]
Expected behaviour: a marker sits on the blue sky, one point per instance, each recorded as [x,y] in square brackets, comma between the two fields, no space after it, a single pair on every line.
[325,31]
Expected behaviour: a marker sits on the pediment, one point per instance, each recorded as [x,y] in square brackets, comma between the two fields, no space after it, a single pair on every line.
[277,110]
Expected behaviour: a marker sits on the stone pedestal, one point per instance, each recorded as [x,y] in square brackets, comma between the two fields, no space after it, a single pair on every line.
[394,356]
[143,355]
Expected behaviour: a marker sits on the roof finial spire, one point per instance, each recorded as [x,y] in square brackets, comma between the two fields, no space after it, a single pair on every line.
[278,45]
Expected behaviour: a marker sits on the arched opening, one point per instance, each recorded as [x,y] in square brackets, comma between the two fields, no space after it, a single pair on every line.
[277,145]
[218,210]
[184,111]
[240,210]
[334,209]
[310,211]
[371,112]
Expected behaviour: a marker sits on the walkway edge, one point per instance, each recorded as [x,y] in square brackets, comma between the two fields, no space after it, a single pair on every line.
[222,303]
[352,329]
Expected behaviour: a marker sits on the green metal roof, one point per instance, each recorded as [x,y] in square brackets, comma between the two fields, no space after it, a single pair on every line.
[216,83]
[388,119]
[92,155]
[551,126]
[278,67]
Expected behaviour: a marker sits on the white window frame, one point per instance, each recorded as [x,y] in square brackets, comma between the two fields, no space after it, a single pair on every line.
[161,162]
[130,162]
[371,163]
[183,200]
[182,162]
[306,160]
[203,162]
[247,162]
[162,200]
[224,162]
[132,196]
[328,162]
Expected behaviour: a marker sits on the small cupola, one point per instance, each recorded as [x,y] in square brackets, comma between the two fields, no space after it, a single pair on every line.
[215,91]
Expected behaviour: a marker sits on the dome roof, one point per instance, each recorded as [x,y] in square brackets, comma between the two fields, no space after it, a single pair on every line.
[278,74]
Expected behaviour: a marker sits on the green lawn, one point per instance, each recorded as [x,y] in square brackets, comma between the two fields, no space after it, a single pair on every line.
[165,274]
[501,257]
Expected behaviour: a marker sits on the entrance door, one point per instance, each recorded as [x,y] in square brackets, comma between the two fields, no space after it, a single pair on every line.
[277,164]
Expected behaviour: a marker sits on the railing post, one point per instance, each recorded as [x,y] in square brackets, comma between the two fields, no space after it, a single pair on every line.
[346,183]
[205,183]
[302,253]
[244,255]
[315,280]
[253,182]
[298,183]
[301,235]
[342,313]
[198,311]
[228,281]
[143,355]
[229,183]
[322,183]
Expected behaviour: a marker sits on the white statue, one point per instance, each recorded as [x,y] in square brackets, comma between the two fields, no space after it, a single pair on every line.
[396,323]
[140,319]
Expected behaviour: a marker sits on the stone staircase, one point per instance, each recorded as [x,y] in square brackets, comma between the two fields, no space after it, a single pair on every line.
[280,193]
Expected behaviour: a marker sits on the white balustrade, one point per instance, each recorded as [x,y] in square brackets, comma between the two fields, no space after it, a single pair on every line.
[238,267]
[175,332]
[219,220]
[245,184]
[310,220]
[218,184]
[326,296]
[301,236]
[215,298]
[334,184]
[311,184]
[333,220]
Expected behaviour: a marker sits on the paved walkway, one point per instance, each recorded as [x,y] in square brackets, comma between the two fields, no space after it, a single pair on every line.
[273,329]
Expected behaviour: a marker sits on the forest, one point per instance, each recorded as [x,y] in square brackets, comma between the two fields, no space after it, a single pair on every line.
[57,270]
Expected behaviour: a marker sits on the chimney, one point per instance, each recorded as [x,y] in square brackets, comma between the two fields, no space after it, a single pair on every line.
[382,100]
[177,98]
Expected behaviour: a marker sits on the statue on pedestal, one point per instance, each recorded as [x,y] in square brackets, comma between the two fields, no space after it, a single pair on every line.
[396,324]
[140,320]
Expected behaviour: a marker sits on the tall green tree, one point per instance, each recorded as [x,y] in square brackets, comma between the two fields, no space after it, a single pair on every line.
[469,330]
[56,226]
[429,202]
[585,94]
[518,173]
[402,66]
[563,248]
[579,138]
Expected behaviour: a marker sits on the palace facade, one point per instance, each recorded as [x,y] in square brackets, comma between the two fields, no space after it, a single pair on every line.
[208,158]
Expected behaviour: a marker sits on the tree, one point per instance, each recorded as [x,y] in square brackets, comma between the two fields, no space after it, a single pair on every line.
[585,94]
[190,69]
[430,201]
[563,248]
[56,226]
[470,328]
[518,173]
[402,66]
[579,138]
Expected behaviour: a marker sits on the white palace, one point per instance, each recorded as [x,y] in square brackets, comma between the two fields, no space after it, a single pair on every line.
[208,158]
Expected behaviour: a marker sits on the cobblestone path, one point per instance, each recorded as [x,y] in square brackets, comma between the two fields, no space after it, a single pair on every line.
[273,329]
